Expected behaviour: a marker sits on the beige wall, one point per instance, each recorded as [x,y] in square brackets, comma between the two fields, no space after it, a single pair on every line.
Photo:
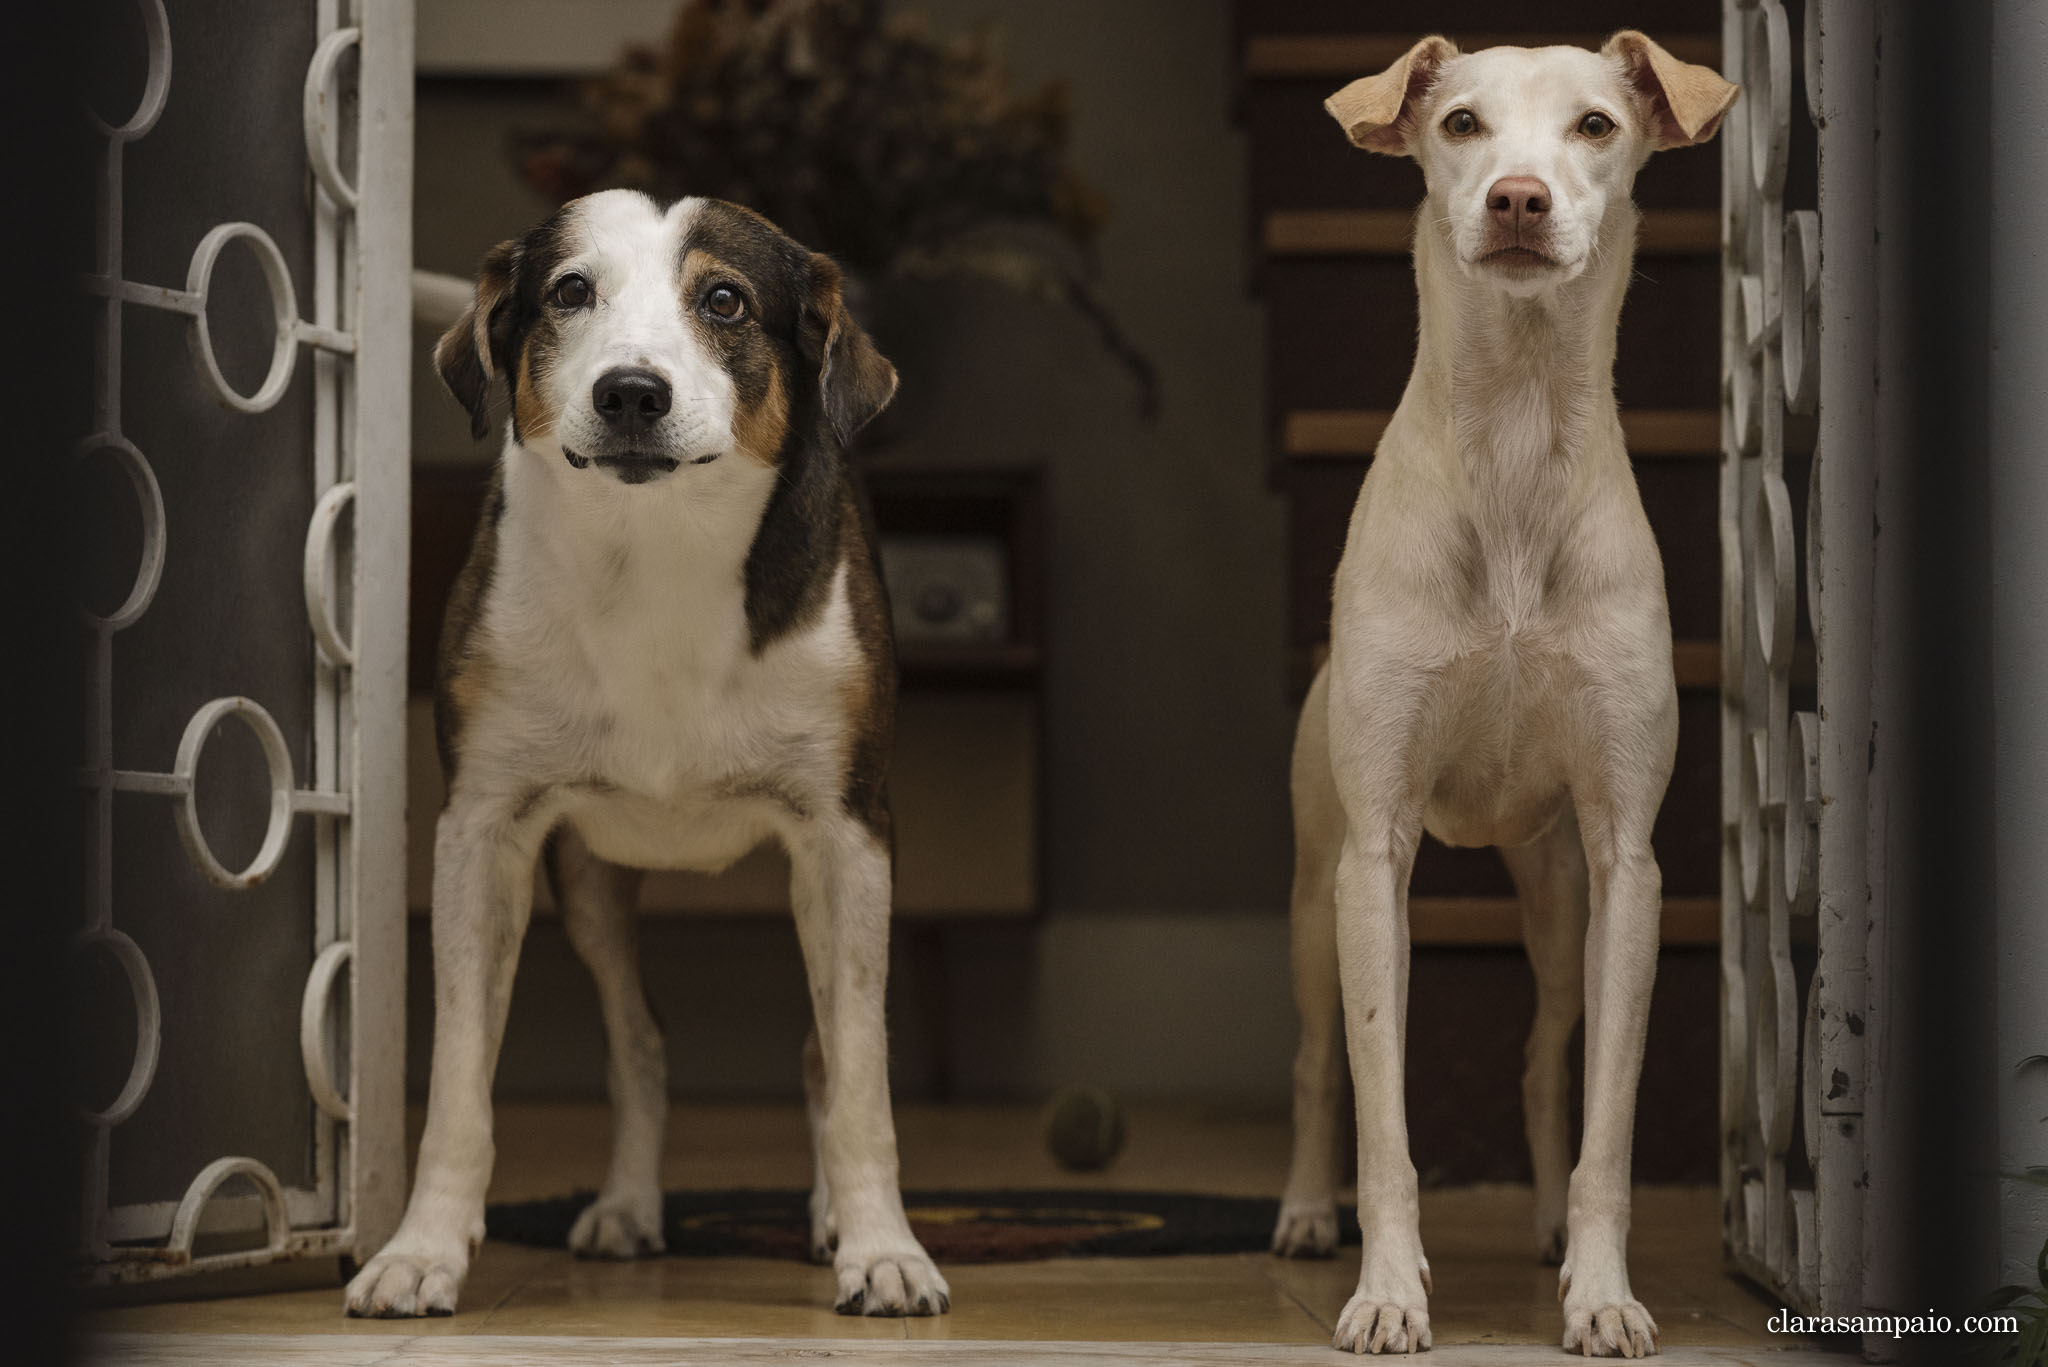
[1167,723]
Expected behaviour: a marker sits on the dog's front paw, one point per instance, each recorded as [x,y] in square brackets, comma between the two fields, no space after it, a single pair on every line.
[1389,1313]
[890,1281]
[1306,1229]
[619,1227]
[408,1280]
[1376,1323]
[1605,1322]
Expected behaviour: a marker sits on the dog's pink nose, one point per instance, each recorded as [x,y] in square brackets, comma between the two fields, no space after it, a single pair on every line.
[1517,202]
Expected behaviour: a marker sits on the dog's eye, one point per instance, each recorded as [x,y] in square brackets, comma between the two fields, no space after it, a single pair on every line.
[724,302]
[571,292]
[1461,123]
[1596,125]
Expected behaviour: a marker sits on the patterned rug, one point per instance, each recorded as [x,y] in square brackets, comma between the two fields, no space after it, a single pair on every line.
[954,1226]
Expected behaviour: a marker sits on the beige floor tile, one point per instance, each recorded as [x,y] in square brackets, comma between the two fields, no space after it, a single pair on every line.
[497,1271]
[1489,1287]
[1226,1298]
[681,1298]
[207,1350]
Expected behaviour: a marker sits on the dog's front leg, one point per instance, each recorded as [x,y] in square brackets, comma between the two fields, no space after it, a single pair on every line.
[1601,1314]
[841,890]
[598,900]
[1389,1311]
[483,893]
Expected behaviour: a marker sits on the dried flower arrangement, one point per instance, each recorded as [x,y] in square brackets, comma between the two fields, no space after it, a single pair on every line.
[859,134]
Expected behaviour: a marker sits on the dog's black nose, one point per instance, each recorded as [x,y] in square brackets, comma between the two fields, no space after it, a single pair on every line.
[630,399]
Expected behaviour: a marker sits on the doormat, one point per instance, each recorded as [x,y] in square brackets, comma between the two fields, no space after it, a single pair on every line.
[953,1226]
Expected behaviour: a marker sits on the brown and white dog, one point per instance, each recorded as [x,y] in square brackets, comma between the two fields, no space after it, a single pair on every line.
[1500,658]
[670,644]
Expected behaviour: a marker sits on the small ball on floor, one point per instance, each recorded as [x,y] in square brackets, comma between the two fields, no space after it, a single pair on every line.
[1084,1128]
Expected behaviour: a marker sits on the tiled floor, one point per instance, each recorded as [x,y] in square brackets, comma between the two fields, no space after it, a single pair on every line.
[1489,1288]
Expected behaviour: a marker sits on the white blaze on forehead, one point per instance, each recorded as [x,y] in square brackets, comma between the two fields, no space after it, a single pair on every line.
[630,249]
[1524,77]
[1529,103]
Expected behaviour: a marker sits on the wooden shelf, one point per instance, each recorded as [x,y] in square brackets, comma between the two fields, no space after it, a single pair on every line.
[1353,432]
[977,664]
[1344,56]
[1474,921]
[1386,232]
[1694,664]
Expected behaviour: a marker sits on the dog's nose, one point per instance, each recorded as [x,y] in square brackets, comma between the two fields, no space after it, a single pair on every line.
[1517,202]
[630,399]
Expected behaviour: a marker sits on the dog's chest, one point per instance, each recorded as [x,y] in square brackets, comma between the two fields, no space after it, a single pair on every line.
[636,661]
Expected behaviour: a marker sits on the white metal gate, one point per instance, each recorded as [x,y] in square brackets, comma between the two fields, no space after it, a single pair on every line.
[353,328]
[1799,773]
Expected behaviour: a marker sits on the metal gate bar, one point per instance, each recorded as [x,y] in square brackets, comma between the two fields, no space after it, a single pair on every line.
[1798,788]
[360,338]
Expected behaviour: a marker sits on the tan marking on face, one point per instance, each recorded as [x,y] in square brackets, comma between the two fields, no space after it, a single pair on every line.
[536,419]
[760,392]
[762,427]
[698,264]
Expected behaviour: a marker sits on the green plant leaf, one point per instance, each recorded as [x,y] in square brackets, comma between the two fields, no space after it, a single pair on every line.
[2005,1295]
[2032,1348]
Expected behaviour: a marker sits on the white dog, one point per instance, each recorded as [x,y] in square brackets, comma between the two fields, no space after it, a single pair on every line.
[669,644]
[1500,657]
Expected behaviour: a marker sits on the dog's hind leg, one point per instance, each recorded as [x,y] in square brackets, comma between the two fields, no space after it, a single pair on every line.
[1550,876]
[1307,1226]
[824,1231]
[840,889]
[484,851]
[598,900]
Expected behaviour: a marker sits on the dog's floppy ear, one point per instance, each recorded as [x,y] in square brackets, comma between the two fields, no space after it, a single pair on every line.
[855,381]
[1685,101]
[465,354]
[1377,112]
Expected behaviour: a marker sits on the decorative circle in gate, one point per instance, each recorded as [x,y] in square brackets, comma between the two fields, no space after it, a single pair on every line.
[313,1018]
[1801,335]
[148,1023]
[156,84]
[318,574]
[149,498]
[284,309]
[275,754]
[320,130]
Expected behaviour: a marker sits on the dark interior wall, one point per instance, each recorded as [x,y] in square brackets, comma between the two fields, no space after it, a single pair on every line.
[1169,721]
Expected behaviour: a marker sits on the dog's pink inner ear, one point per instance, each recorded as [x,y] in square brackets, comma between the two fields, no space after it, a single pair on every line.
[1378,112]
[1684,100]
